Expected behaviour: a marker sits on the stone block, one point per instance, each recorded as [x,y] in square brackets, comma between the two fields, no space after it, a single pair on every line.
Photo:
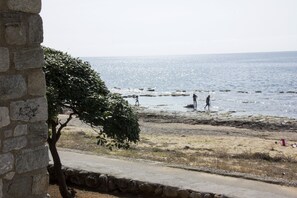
[29,58]
[121,183]
[15,143]
[12,87]
[36,83]
[146,188]
[20,130]
[183,193]
[170,191]
[92,181]
[9,176]
[15,34]
[40,184]
[4,59]
[8,133]
[20,187]
[104,183]
[207,195]
[133,186]
[195,195]
[33,110]
[76,179]
[32,159]
[35,29]
[1,187]
[6,163]
[4,117]
[159,190]
[30,6]
[37,133]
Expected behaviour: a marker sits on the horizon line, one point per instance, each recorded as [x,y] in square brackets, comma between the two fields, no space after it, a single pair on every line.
[191,54]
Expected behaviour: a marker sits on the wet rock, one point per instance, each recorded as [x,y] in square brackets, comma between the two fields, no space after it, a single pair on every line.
[147,95]
[189,106]
[179,94]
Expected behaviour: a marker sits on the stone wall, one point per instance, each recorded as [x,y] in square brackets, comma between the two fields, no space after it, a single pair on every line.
[23,106]
[109,184]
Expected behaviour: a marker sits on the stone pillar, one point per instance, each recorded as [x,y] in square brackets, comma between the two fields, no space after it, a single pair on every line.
[23,106]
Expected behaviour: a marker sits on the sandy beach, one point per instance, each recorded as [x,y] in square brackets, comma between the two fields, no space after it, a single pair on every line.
[248,147]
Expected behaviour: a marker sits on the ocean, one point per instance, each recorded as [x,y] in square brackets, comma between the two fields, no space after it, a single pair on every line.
[241,84]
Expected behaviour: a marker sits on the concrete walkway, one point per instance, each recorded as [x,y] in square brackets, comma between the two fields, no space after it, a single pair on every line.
[154,172]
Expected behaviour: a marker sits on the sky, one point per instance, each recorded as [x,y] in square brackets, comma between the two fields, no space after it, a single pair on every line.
[169,27]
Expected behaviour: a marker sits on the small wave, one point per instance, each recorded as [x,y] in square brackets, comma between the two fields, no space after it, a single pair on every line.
[293,92]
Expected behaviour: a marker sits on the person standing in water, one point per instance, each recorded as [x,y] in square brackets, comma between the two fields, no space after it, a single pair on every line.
[194,101]
[136,101]
[207,102]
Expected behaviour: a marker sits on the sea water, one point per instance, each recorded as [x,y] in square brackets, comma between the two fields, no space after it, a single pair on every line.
[245,84]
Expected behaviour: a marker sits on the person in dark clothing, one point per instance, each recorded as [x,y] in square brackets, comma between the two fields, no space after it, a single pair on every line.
[195,101]
[207,102]
[136,101]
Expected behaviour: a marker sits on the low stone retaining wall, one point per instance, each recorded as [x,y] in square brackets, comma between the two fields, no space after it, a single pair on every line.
[110,184]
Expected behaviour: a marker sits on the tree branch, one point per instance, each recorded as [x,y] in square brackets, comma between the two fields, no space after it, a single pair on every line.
[63,125]
[53,138]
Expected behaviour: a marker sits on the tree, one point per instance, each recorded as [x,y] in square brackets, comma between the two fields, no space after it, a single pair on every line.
[73,84]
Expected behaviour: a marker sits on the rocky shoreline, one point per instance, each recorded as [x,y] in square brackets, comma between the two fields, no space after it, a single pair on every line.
[257,122]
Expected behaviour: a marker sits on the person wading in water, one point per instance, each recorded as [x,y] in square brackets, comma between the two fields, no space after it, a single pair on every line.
[195,101]
[207,102]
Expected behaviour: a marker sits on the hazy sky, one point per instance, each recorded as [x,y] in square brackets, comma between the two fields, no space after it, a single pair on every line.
[162,27]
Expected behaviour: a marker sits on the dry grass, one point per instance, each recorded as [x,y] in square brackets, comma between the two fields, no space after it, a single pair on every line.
[240,151]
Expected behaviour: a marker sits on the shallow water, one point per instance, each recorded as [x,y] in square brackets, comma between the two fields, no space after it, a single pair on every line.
[249,84]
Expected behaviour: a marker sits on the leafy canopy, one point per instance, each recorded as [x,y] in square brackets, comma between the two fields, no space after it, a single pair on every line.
[73,84]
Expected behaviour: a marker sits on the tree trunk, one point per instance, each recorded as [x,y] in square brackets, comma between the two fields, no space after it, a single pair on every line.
[57,163]
[58,171]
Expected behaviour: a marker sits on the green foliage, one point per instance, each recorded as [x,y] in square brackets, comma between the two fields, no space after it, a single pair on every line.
[120,117]
[73,84]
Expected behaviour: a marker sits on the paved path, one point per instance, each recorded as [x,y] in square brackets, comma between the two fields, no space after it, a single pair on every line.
[155,172]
